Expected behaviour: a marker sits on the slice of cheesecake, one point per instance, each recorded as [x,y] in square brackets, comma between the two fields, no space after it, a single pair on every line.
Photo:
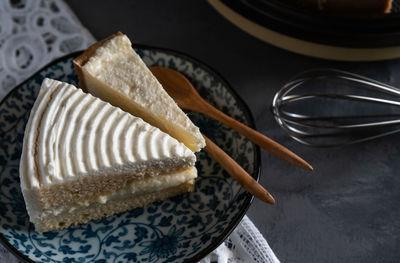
[85,159]
[111,70]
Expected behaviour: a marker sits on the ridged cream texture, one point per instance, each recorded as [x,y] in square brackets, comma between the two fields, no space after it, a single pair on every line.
[71,134]
[117,64]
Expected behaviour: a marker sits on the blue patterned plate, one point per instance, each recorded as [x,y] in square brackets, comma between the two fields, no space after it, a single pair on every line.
[181,229]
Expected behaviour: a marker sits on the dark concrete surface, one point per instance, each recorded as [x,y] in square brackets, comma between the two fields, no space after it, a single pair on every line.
[347,210]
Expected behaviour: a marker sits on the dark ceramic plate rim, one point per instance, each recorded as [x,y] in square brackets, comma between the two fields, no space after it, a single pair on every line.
[242,105]
[336,30]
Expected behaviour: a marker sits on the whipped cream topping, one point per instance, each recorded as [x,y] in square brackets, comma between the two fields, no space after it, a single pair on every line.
[72,134]
[116,64]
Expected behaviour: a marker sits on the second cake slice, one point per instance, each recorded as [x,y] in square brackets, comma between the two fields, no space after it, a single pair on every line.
[111,70]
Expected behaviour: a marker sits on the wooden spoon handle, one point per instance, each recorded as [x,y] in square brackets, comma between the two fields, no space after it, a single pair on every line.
[237,172]
[254,136]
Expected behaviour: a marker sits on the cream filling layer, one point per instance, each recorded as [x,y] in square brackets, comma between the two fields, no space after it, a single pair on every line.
[148,185]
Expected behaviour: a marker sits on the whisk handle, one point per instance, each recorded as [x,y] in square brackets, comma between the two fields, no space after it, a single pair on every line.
[256,137]
[237,172]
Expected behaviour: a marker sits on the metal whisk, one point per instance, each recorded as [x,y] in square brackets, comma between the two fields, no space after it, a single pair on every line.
[328,107]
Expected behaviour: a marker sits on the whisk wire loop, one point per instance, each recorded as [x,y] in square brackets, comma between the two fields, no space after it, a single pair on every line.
[329,130]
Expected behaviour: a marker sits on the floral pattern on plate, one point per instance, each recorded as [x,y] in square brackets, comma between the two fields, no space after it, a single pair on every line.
[183,228]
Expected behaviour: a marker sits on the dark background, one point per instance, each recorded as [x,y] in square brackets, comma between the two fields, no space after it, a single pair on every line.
[347,210]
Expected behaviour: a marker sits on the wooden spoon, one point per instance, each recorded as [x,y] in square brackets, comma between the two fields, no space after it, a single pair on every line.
[186,96]
[237,172]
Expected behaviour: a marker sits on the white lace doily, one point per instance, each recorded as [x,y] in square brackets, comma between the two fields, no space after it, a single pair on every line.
[244,245]
[32,34]
[35,32]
